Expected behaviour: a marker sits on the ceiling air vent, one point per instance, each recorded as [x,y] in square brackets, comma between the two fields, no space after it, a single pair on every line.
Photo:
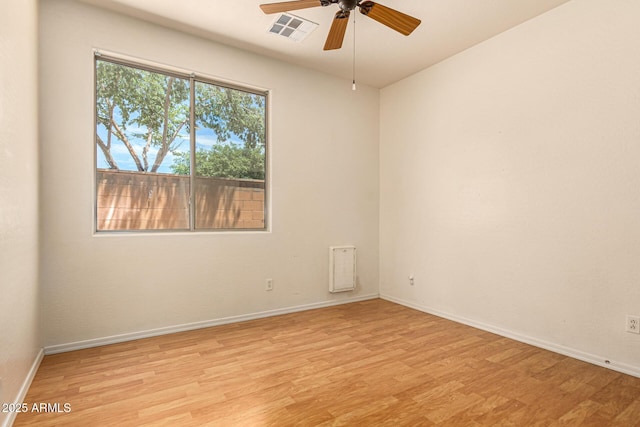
[292,27]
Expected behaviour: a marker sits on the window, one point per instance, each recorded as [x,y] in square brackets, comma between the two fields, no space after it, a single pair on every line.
[177,152]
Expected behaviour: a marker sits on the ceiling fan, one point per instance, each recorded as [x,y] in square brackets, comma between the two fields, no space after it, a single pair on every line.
[393,19]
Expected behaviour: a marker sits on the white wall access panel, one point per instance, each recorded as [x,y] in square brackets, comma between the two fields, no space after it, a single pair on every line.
[342,268]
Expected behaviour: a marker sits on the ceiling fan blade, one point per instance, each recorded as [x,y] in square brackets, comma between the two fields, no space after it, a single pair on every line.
[393,19]
[336,33]
[286,6]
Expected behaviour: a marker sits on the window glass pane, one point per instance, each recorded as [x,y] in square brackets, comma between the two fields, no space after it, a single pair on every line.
[142,128]
[145,131]
[230,158]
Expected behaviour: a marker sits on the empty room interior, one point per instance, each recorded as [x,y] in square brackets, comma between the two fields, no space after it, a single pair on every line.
[443,228]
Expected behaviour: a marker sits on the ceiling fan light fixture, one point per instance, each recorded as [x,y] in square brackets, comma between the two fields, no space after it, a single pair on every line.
[291,27]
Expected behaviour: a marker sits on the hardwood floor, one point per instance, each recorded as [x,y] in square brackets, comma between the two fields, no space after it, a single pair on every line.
[372,363]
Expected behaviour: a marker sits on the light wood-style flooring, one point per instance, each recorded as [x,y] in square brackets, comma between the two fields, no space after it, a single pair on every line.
[371,363]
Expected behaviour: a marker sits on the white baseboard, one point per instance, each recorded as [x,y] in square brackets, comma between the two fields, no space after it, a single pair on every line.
[96,342]
[22,393]
[556,348]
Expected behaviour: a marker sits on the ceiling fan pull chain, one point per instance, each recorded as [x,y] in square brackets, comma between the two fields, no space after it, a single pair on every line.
[353,87]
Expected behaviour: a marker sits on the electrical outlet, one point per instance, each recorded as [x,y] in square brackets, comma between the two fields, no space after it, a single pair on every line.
[411,282]
[633,324]
[269,285]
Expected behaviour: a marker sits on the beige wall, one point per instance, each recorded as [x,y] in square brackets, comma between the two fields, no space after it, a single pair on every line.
[510,183]
[101,286]
[19,338]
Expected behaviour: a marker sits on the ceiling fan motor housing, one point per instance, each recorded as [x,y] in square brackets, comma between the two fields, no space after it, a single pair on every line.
[347,5]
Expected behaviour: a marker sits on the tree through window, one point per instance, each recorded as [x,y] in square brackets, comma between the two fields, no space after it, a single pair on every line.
[153,127]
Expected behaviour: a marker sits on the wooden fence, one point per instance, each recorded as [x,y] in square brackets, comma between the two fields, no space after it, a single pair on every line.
[146,201]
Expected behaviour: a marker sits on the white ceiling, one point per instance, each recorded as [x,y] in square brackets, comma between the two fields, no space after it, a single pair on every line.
[383,56]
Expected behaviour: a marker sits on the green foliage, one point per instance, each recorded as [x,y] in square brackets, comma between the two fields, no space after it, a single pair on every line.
[229,111]
[136,105]
[224,161]
[155,105]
